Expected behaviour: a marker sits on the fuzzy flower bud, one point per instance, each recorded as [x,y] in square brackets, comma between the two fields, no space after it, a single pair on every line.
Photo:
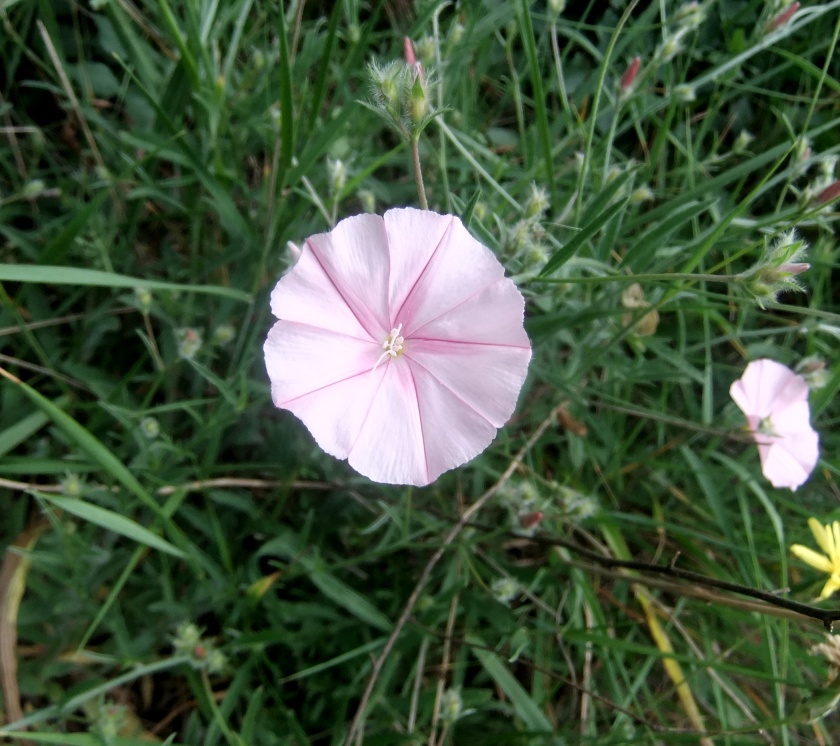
[629,77]
[691,15]
[224,334]
[72,485]
[425,50]
[337,175]
[33,189]
[685,93]
[189,342]
[537,202]
[150,428]
[418,99]
[144,299]
[742,142]
[671,46]
[783,17]
[451,706]
[642,194]
[829,194]
[505,590]
[814,371]
[367,199]
[777,272]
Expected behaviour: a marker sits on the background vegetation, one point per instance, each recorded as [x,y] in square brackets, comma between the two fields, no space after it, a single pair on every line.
[185,564]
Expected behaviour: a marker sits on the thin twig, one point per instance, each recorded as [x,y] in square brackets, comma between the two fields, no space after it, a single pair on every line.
[197,486]
[444,668]
[356,727]
[826,616]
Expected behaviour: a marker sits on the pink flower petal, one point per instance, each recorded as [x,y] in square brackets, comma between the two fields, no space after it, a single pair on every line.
[767,386]
[301,359]
[468,432]
[789,461]
[413,236]
[459,268]
[307,295]
[492,316]
[355,258]
[390,444]
[482,377]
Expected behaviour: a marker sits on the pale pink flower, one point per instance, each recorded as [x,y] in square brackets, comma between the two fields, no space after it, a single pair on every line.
[400,344]
[775,401]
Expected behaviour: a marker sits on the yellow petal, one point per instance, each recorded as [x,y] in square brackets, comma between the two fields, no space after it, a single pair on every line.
[835,558]
[814,559]
[825,542]
[832,585]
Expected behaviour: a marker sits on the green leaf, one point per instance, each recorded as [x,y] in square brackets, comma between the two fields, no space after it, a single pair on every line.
[528,711]
[112,521]
[54,275]
[590,229]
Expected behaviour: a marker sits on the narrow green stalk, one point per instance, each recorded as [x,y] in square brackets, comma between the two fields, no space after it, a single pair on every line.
[418,173]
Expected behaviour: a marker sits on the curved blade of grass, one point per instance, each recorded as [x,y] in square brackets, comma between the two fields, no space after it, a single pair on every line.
[20,431]
[528,711]
[55,275]
[287,118]
[112,521]
[658,232]
[530,44]
[94,448]
[590,229]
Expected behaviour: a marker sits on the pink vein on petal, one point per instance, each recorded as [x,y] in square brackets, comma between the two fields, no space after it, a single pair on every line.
[450,390]
[419,277]
[420,418]
[415,338]
[321,388]
[370,406]
[347,303]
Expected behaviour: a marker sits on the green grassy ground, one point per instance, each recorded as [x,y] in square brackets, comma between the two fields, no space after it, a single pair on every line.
[185,565]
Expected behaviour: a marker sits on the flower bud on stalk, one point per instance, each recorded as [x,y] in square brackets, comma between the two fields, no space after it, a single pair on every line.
[783,17]
[629,77]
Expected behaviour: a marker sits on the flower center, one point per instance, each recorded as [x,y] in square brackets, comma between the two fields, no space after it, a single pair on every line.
[765,427]
[393,346]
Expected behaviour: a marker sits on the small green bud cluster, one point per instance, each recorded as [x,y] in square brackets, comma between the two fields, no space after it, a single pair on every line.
[813,369]
[72,485]
[150,428]
[110,721]
[505,590]
[451,706]
[337,175]
[203,653]
[777,271]
[742,142]
[189,341]
[523,241]
[575,505]
[401,94]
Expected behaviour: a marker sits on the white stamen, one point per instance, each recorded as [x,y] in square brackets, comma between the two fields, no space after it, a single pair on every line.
[393,346]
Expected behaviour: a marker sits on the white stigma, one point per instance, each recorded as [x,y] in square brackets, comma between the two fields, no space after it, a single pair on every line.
[393,346]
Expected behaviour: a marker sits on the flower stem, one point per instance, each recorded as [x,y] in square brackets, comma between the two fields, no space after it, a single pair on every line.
[418,173]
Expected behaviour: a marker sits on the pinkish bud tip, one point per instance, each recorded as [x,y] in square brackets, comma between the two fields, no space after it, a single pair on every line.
[831,192]
[783,17]
[530,520]
[408,52]
[795,268]
[630,74]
